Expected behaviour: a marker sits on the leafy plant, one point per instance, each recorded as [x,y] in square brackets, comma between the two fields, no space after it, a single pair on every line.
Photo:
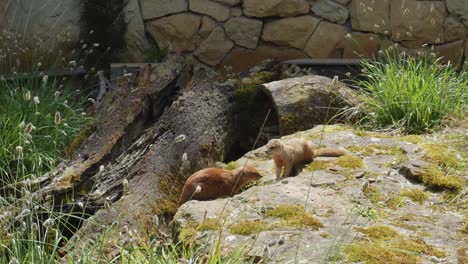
[414,94]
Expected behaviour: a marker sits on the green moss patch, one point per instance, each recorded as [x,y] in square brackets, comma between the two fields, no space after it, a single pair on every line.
[294,216]
[319,165]
[415,139]
[374,194]
[248,227]
[209,224]
[441,155]
[351,162]
[375,149]
[435,178]
[382,244]
[415,195]
[231,165]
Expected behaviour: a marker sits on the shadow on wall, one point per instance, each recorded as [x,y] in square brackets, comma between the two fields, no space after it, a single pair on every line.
[103,28]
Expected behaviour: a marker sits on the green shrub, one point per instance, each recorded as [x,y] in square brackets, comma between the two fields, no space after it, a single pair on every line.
[414,94]
[39,118]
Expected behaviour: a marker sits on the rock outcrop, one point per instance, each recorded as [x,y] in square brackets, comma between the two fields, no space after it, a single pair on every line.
[335,208]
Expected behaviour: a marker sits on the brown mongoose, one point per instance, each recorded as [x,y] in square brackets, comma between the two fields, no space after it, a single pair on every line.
[212,183]
[293,152]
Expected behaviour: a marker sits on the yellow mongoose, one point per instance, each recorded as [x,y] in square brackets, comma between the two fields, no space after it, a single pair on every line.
[293,152]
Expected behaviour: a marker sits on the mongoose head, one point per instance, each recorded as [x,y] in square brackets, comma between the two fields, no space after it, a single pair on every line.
[274,146]
[248,174]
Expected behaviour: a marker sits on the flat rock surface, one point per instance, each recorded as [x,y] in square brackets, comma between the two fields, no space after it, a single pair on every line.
[334,195]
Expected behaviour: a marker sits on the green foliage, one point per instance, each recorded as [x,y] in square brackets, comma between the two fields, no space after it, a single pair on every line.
[385,245]
[294,215]
[39,118]
[411,93]
[348,161]
[248,227]
[415,195]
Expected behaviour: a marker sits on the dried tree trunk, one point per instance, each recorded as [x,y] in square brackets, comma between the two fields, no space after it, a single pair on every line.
[141,133]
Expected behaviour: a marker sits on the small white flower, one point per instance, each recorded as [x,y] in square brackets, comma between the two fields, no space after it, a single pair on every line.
[27,96]
[198,189]
[80,204]
[57,118]
[125,185]
[91,100]
[180,138]
[22,124]
[19,149]
[45,78]
[348,74]
[96,45]
[49,222]
[101,168]
[36,99]
[39,64]
[184,157]
[57,93]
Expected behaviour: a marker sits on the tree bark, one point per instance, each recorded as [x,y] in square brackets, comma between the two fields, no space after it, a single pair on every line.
[141,133]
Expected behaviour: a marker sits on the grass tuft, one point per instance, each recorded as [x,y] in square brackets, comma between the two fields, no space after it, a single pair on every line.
[412,94]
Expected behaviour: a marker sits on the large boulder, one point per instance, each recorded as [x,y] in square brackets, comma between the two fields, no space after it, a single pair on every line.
[330,10]
[210,8]
[244,31]
[316,216]
[325,41]
[214,48]
[179,31]
[417,22]
[292,31]
[370,15]
[282,8]
[158,8]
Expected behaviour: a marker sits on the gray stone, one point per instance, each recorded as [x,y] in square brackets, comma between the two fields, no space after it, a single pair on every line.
[330,10]
[458,8]
[236,12]
[293,32]
[244,31]
[214,48]
[207,25]
[325,41]
[229,2]
[417,22]
[158,8]
[370,15]
[454,29]
[177,32]
[210,8]
[282,8]
[135,37]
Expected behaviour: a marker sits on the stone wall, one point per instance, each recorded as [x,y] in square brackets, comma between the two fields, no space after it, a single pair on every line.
[243,32]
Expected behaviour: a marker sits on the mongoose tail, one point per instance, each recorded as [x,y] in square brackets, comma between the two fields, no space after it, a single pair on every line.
[329,152]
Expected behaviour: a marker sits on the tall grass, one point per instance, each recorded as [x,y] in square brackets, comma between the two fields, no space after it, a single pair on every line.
[38,118]
[414,94]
